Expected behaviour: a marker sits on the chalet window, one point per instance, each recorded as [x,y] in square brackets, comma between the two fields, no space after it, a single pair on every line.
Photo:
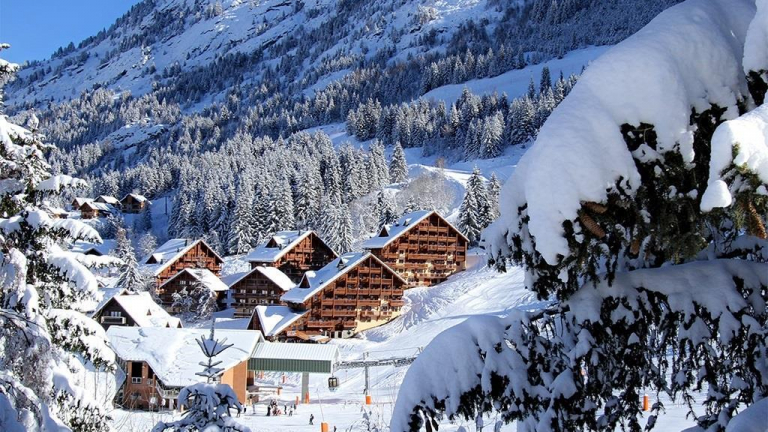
[136,380]
[115,314]
[136,368]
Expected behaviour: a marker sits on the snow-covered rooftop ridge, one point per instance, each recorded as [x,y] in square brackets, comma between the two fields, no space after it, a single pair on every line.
[297,351]
[144,311]
[81,200]
[137,197]
[108,199]
[173,353]
[690,56]
[104,248]
[274,318]
[319,279]
[203,275]
[750,133]
[399,227]
[100,206]
[276,246]
[169,252]
[273,274]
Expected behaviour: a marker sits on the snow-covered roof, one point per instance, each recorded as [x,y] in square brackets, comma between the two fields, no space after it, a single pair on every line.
[144,311]
[400,227]
[104,248]
[106,295]
[108,199]
[80,201]
[137,197]
[274,319]
[232,323]
[173,353]
[169,252]
[273,274]
[99,206]
[321,278]
[297,351]
[203,275]
[278,245]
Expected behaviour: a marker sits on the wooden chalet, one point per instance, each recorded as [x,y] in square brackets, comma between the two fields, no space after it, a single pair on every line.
[134,203]
[92,210]
[176,255]
[134,309]
[282,323]
[186,279]
[354,292]
[78,202]
[158,362]
[260,286]
[422,247]
[293,252]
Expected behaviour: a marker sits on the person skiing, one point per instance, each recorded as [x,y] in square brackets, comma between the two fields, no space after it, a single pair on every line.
[311,419]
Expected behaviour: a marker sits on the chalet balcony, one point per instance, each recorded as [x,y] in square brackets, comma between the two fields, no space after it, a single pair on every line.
[345,312]
[397,291]
[369,303]
[364,292]
[370,314]
[110,320]
[340,291]
[349,324]
[397,303]
[345,302]
[166,393]
[320,323]
[326,313]
[327,302]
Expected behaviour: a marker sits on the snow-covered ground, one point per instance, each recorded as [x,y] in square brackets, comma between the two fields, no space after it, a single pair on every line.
[478,291]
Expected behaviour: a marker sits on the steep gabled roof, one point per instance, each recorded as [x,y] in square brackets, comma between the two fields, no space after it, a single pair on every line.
[80,201]
[137,197]
[203,275]
[99,206]
[314,282]
[273,274]
[273,319]
[169,252]
[104,248]
[278,245]
[174,354]
[143,310]
[108,199]
[402,226]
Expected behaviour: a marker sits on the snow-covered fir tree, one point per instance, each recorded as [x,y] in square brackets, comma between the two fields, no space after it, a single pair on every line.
[45,339]
[641,216]
[398,167]
[475,211]
[208,404]
[131,278]
[385,208]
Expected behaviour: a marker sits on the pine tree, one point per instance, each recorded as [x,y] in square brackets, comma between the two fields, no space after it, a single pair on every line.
[45,336]
[131,278]
[475,210]
[385,209]
[546,80]
[398,167]
[345,230]
[208,404]
[494,189]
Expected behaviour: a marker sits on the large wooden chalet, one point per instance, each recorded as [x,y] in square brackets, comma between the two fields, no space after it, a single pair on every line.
[159,362]
[293,252]
[178,254]
[354,292]
[260,286]
[422,247]
[134,310]
[134,203]
[186,279]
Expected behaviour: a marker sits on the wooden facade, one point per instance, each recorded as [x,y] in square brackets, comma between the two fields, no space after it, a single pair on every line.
[133,203]
[140,387]
[91,210]
[200,255]
[254,289]
[310,253]
[426,253]
[186,280]
[366,295]
[113,314]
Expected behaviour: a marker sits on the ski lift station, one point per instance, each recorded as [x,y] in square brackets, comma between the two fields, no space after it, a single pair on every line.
[296,358]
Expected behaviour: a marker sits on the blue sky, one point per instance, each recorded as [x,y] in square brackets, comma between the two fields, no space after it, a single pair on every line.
[36,28]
